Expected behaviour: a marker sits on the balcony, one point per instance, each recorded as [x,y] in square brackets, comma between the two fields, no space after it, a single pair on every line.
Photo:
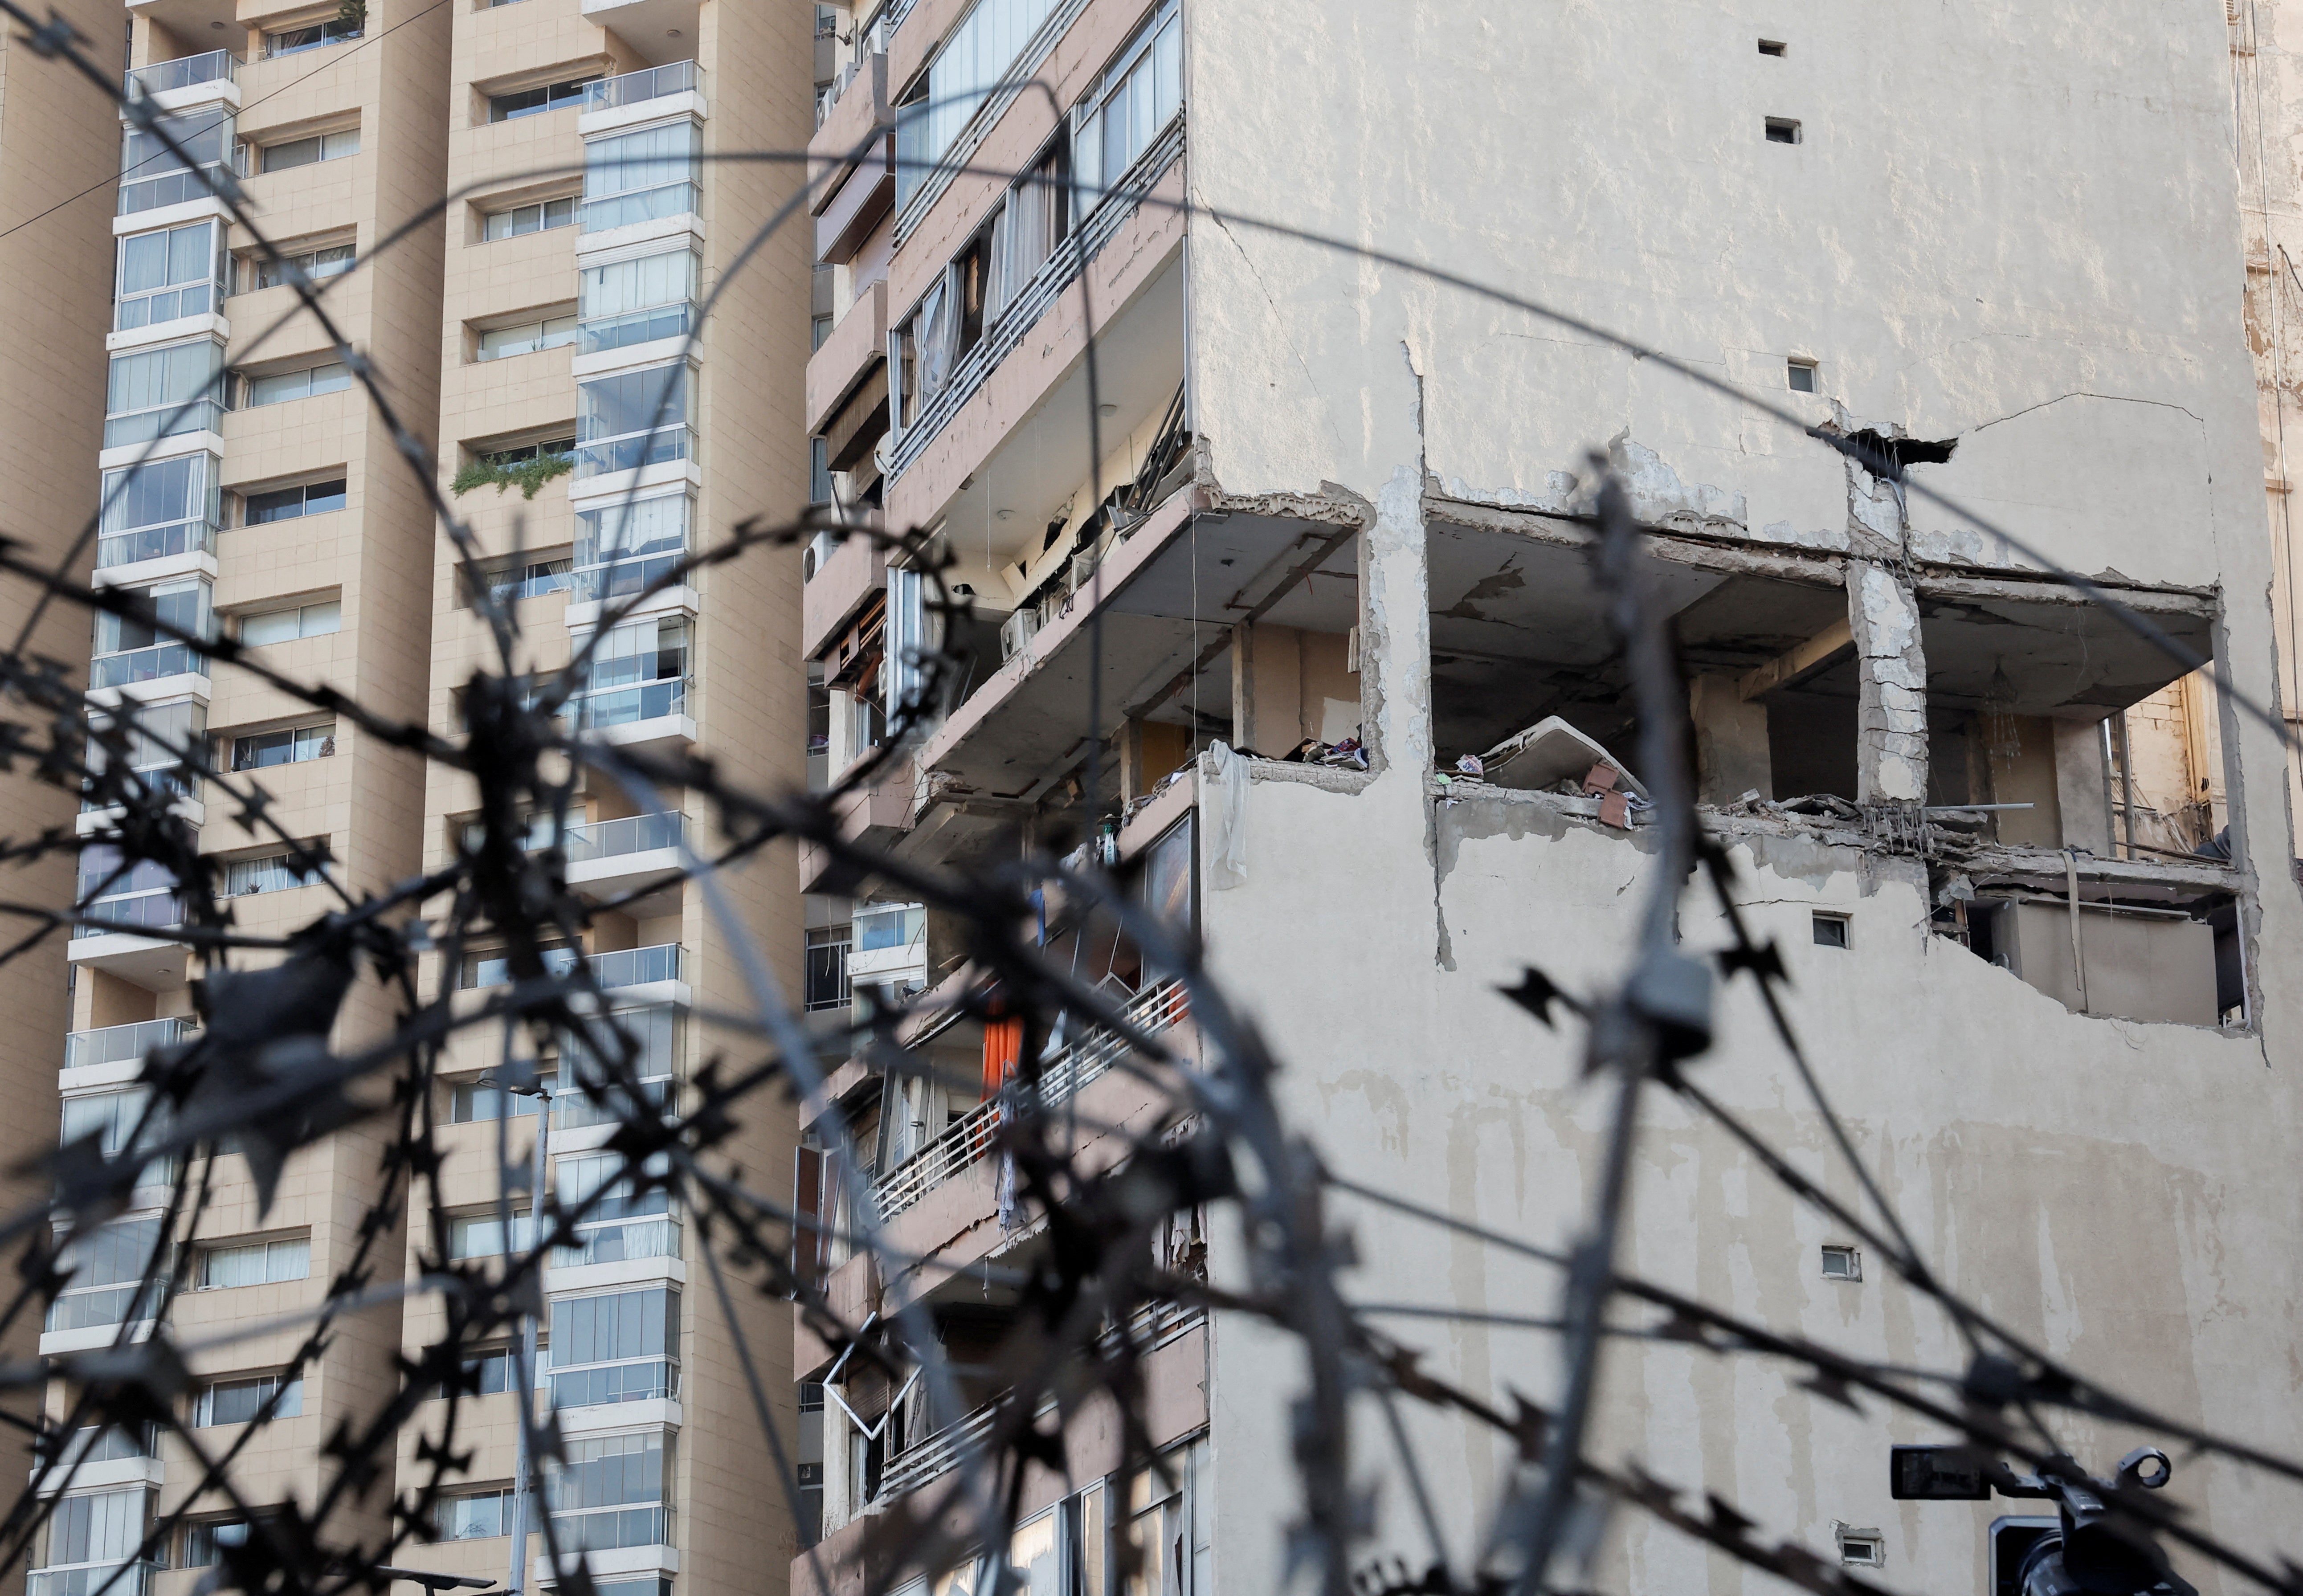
[157,663]
[641,205]
[970,1137]
[614,858]
[111,1579]
[615,579]
[123,1045]
[663,963]
[633,88]
[633,451]
[650,713]
[607,334]
[173,188]
[166,78]
[155,543]
[170,421]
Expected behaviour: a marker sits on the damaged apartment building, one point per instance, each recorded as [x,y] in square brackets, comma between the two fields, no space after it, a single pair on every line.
[1280,607]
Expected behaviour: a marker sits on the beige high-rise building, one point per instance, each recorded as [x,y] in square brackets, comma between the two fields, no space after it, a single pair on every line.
[253,488]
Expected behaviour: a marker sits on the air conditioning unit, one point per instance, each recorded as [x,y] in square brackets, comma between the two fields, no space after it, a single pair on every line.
[1017,630]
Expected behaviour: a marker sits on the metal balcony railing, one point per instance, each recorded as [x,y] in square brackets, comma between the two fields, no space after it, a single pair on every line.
[217,66]
[969,1137]
[609,94]
[121,1044]
[634,833]
[939,1452]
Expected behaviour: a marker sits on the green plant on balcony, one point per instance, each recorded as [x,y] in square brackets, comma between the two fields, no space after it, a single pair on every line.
[526,470]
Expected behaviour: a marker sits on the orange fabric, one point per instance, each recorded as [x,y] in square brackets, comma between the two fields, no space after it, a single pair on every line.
[1003,1048]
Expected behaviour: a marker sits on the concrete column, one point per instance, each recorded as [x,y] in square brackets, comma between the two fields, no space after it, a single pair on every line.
[2082,791]
[1396,628]
[1891,709]
[1730,741]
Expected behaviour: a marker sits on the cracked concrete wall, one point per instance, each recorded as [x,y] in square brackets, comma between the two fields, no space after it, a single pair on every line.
[1891,714]
[2021,235]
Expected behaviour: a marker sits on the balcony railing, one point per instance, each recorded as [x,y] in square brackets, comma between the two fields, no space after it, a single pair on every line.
[123,1044]
[640,967]
[105,1304]
[610,94]
[939,1452]
[634,326]
[217,66]
[634,449]
[620,578]
[146,664]
[171,188]
[634,833]
[627,706]
[971,1137]
[87,1580]
[163,421]
[147,911]
[154,542]
[640,205]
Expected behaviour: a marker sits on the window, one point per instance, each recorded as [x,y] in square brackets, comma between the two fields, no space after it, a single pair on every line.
[623,1346]
[1842,1263]
[632,419]
[238,1401]
[163,392]
[1830,931]
[115,1118]
[1783,129]
[105,1270]
[637,301]
[285,626]
[1864,1549]
[819,472]
[1139,95]
[530,579]
[471,1103]
[159,739]
[521,219]
[267,873]
[500,344]
[979,53]
[827,966]
[624,548]
[129,648]
[582,1093]
[164,275]
[260,750]
[313,265]
[201,1540]
[819,328]
[482,1235]
[98,1532]
[479,1516]
[613,1490]
[256,1264]
[638,672]
[493,1374]
[279,389]
[303,152]
[150,174]
[159,508]
[883,925]
[531,102]
[288,504]
[619,1220]
[494,969]
[642,176]
[1802,375]
[290,41]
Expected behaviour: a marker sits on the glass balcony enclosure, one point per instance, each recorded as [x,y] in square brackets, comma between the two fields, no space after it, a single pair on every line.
[121,1044]
[152,175]
[159,737]
[106,1284]
[217,66]
[610,94]
[636,302]
[160,508]
[612,1490]
[618,1221]
[89,1544]
[584,1093]
[627,547]
[163,392]
[642,176]
[638,672]
[633,834]
[120,896]
[617,1346]
[633,419]
[169,274]
[137,648]
[627,967]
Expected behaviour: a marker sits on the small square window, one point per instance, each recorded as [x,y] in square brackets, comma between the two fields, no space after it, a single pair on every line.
[1771,47]
[1831,931]
[1842,1263]
[1862,1549]
[1801,375]
[1783,129]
